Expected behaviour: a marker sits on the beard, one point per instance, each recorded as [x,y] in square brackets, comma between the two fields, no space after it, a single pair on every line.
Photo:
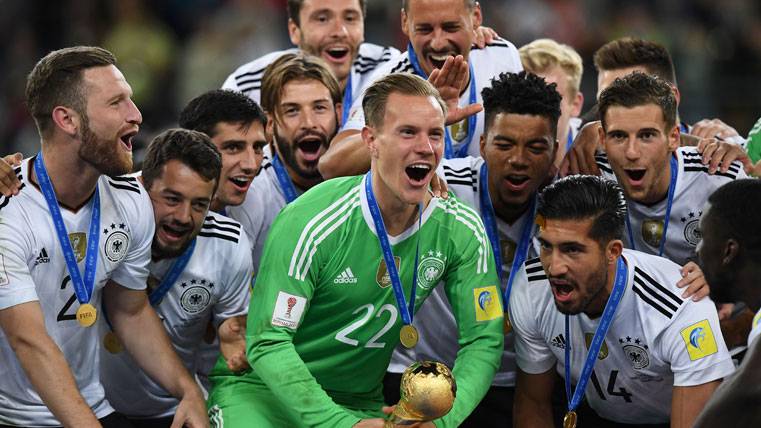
[102,154]
[287,151]
[596,292]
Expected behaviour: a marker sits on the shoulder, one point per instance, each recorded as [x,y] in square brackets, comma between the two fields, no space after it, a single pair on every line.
[371,56]
[248,77]
[222,230]
[325,202]
[694,169]
[500,56]
[128,194]
[654,284]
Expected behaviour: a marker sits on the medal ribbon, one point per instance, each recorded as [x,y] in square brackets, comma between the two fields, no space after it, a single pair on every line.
[171,276]
[594,348]
[490,224]
[448,145]
[569,141]
[672,189]
[82,288]
[284,179]
[347,101]
[405,309]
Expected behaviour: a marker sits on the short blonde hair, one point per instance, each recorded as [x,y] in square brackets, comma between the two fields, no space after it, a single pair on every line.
[376,96]
[542,54]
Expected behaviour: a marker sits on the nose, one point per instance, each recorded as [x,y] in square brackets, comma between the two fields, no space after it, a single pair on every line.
[182,213]
[339,28]
[555,264]
[133,114]
[438,40]
[518,158]
[250,161]
[632,150]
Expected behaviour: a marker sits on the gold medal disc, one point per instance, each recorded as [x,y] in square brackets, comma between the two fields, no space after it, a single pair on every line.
[408,336]
[507,326]
[112,343]
[569,420]
[86,315]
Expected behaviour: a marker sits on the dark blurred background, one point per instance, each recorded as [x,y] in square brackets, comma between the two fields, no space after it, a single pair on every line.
[173,50]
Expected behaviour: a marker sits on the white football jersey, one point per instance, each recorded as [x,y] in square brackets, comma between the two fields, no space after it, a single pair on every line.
[32,268]
[693,187]
[248,77]
[656,341]
[264,200]
[755,328]
[214,286]
[497,57]
[435,320]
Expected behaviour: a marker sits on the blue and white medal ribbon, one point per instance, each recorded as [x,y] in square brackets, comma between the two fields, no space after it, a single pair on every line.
[171,276]
[286,185]
[670,201]
[347,101]
[408,335]
[594,348]
[449,152]
[86,313]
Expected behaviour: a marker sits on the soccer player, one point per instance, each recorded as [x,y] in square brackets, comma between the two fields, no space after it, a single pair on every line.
[729,254]
[333,30]
[517,150]
[76,243]
[665,185]
[235,124]
[441,38]
[200,271]
[302,100]
[328,305]
[608,319]
[562,65]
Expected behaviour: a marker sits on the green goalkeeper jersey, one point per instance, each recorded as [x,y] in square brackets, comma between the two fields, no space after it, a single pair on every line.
[323,319]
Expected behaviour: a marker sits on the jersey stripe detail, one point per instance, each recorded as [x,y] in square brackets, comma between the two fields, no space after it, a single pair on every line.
[341,220]
[534,278]
[655,294]
[705,170]
[534,269]
[461,173]
[212,226]
[403,64]
[467,216]
[3,199]
[124,187]
[218,235]
[315,225]
[223,222]
[663,289]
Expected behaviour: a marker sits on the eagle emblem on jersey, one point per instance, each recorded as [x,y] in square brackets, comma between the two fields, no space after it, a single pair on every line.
[691,230]
[117,242]
[196,296]
[636,351]
[78,242]
[381,276]
[652,232]
[430,269]
[603,354]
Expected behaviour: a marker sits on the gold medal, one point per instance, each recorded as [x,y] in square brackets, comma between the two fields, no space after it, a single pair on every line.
[112,343]
[507,326]
[86,315]
[569,420]
[408,336]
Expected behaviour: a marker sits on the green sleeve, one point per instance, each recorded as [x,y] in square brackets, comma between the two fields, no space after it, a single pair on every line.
[473,288]
[754,142]
[271,327]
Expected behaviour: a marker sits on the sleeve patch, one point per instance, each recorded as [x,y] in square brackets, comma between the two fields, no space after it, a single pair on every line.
[288,310]
[486,302]
[3,274]
[699,340]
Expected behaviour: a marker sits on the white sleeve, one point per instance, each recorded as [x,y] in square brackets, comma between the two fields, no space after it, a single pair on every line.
[133,271]
[231,83]
[237,289]
[356,120]
[16,283]
[755,328]
[694,346]
[533,355]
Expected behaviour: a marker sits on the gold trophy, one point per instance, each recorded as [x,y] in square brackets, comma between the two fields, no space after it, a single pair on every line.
[428,391]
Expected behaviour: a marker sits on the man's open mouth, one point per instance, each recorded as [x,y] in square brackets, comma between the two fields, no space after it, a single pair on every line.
[337,52]
[417,172]
[635,174]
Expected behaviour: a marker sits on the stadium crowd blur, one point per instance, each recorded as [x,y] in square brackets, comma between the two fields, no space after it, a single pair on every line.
[173,50]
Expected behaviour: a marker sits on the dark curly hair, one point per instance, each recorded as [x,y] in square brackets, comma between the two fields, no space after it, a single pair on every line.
[205,111]
[522,93]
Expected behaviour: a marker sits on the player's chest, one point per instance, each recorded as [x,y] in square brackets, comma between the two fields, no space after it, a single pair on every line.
[681,231]
[182,298]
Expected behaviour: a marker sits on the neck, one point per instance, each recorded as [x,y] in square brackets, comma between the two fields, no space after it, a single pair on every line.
[397,214]
[73,179]
[302,182]
[217,205]
[596,306]
[342,84]
[509,213]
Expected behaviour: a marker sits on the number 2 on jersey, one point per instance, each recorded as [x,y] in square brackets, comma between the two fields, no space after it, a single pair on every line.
[369,309]
[62,315]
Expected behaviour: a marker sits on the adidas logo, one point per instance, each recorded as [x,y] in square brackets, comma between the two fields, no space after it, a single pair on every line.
[558,341]
[42,257]
[346,277]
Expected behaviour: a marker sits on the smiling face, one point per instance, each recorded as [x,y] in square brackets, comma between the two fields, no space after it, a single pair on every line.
[576,265]
[305,122]
[110,121]
[518,150]
[181,199]
[241,146]
[331,30]
[639,148]
[438,29]
[407,148]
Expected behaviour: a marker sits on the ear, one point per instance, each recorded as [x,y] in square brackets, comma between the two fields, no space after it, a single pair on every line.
[405,22]
[613,250]
[294,32]
[269,128]
[368,137]
[601,134]
[730,253]
[476,17]
[482,144]
[67,120]
[673,138]
[677,95]
[577,104]
[339,115]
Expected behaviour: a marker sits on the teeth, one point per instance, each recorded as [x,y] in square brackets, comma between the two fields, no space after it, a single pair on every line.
[439,57]
[420,166]
[239,181]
